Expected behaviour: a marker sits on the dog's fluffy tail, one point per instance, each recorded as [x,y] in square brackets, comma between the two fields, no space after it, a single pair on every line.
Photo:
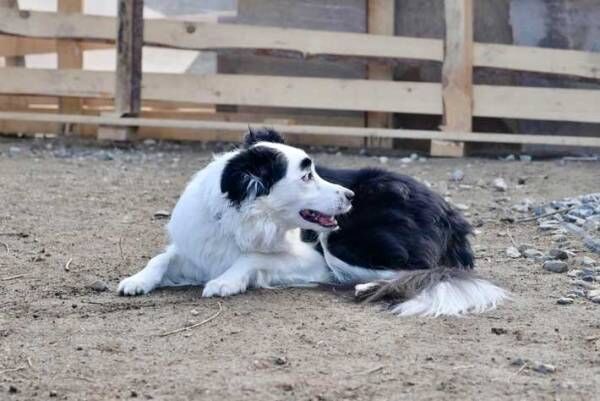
[434,292]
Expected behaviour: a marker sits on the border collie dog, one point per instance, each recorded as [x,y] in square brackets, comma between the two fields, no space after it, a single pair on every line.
[237,226]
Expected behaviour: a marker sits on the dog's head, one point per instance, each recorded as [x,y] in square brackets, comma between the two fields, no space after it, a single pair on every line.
[280,180]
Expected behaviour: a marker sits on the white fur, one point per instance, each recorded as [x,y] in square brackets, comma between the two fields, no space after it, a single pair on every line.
[229,249]
[453,297]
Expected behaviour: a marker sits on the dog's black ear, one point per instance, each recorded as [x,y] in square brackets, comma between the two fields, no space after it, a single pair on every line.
[252,173]
[262,135]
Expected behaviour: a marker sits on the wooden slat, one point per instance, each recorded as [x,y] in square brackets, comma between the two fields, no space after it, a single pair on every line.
[208,36]
[306,129]
[70,56]
[380,21]
[247,90]
[312,93]
[9,102]
[11,46]
[457,76]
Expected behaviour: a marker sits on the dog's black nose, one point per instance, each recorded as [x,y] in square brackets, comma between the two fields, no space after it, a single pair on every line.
[349,195]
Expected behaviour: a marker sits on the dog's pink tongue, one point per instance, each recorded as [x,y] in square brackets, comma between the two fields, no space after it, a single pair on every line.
[325,220]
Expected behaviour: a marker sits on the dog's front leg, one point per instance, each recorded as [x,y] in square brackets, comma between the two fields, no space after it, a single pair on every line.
[235,280]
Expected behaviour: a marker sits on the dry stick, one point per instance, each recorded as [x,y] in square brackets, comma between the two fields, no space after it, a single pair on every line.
[12,370]
[511,238]
[565,210]
[370,371]
[121,249]
[168,333]
[7,248]
[14,277]
[518,371]
[68,264]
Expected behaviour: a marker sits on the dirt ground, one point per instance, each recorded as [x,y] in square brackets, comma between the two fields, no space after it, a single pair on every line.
[92,210]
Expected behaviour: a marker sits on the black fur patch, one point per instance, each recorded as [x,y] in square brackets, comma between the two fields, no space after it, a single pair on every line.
[252,171]
[397,223]
[262,135]
[305,164]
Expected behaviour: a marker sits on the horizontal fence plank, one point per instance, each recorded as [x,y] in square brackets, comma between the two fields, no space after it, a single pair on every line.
[21,46]
[312,93]
[210,36]
[305,129]
[246,90]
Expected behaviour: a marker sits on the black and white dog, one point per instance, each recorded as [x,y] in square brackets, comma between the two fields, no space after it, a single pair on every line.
[237,225]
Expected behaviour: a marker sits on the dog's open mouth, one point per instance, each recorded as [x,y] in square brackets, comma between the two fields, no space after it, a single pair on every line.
[319,218]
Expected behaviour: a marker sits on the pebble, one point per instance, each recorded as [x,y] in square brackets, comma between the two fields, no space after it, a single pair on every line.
[548,226]
[525,158]
[99,286]
[500,185]
[384,160]
[462,206]
[513,252]
[162,214]
[543,367]
[194,312]
[564,301]
[457,175]
[594,293]
[149,142]
[558,254]
[556,266]
[532,254]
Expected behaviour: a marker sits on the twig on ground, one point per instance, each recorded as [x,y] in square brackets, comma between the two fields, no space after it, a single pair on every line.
[68,264]
[12,370]
[6,246]
[511,237]
[29,363]
[518,371]
[121,249]
[560,211]
[168,333]
[374,370]
[16,276]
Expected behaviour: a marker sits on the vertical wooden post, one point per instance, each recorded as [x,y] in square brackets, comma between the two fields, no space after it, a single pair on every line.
[457,76]
[9,102]
[70,56]
[380,21]
[128,90]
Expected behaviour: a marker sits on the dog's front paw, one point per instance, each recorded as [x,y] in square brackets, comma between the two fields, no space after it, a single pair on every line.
[364,291]
[134,286]
[219,288]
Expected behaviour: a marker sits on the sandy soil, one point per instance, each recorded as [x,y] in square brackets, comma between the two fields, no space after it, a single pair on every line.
[94,208]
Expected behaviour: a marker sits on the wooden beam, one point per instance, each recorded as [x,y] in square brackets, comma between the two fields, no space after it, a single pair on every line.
[380,21]
[70,56]
[128,82]
[306,129]
[9,102]
[579,105]
[457,75]
[246,90]
[299,42]
[20,46]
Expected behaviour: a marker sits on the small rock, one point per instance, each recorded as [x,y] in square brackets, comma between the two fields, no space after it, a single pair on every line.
[462,206]
[98,286]
[556,266]
[281,360]
[564,301]
[525,158]
[162,214]
[406,160]
[593,293]
[414,157]
[12,389]
[384,160]
[53,393]
[499,331]
[532,253]
[558,254]
[510,158]
[500,185]
[548,225]
[576,293]
[457,175]
[574,273]
[194,312]
[543,367]
[149,142]
[513,252]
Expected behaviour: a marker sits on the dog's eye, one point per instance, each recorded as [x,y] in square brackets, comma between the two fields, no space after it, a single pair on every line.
[307,177]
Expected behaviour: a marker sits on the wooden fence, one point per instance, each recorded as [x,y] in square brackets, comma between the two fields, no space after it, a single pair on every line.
[180,106]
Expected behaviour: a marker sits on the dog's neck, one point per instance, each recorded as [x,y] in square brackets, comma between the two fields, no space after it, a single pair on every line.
[262,231]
